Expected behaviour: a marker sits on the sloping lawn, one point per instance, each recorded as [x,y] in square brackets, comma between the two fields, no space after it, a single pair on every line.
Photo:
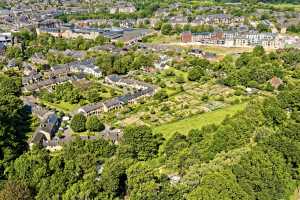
[198,121]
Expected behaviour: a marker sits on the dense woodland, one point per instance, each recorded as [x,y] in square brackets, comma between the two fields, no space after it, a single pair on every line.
[251,155]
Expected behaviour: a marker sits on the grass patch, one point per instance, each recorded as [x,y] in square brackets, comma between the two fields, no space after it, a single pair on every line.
[162,39]
[198,121]
[63,106]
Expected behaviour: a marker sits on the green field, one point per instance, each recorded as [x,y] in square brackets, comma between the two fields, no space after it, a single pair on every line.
[63,106]
[163,39]
[198,121]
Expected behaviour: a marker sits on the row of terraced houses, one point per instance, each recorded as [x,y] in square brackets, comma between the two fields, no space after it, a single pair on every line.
[142,90]
[234,39]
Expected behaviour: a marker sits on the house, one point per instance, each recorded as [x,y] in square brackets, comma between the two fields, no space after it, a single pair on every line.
[132,36]
[91,109]
[79,55]
[112,79]
[52,145]
[48,83]
[5,38]
[161,12]
[49,125]
[174,179]
[141,90]
[28,69]
[251,91]
[234,39]
[50,23]
[122,7]
[47,129]
[162,63]
[12,63]
[217,19]
[176,5]
[178,20]
[127,23]
[112,104]
[59,70]
[37,139]
[78,67]
[35,109]
[31,78]
[105,47]
[125,82]
[209,8]
[4,12]
[2,48]
[209,55]
[150,69]
[113,135]
[196,52]
[85,67]
[38,58]
[126,35]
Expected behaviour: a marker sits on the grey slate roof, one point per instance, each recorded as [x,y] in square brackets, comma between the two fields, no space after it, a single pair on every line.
[113,78]
[49,124]
[112,102]
[91,107]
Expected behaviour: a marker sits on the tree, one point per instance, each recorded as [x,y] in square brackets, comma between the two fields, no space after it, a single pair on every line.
[100,40]
[144,182]
[14,122]
[15,190]
[161,95]
[272,111]
[93,96]
[180,79]
[167,29]
[120,44]
[141,142]
[13,52]
[218,185]
[78,123]
[69,175]
[158,25]
[187,27]
[142,60]
[9,85]
[114,177]
[94,124]
[105,61]
[262,173]
[178,28]
[263,28]
[175,144]
[195,74]
[258,51]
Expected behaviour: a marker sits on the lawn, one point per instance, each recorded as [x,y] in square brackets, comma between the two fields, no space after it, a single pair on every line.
[163,39]
[63,106]
[198,121]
